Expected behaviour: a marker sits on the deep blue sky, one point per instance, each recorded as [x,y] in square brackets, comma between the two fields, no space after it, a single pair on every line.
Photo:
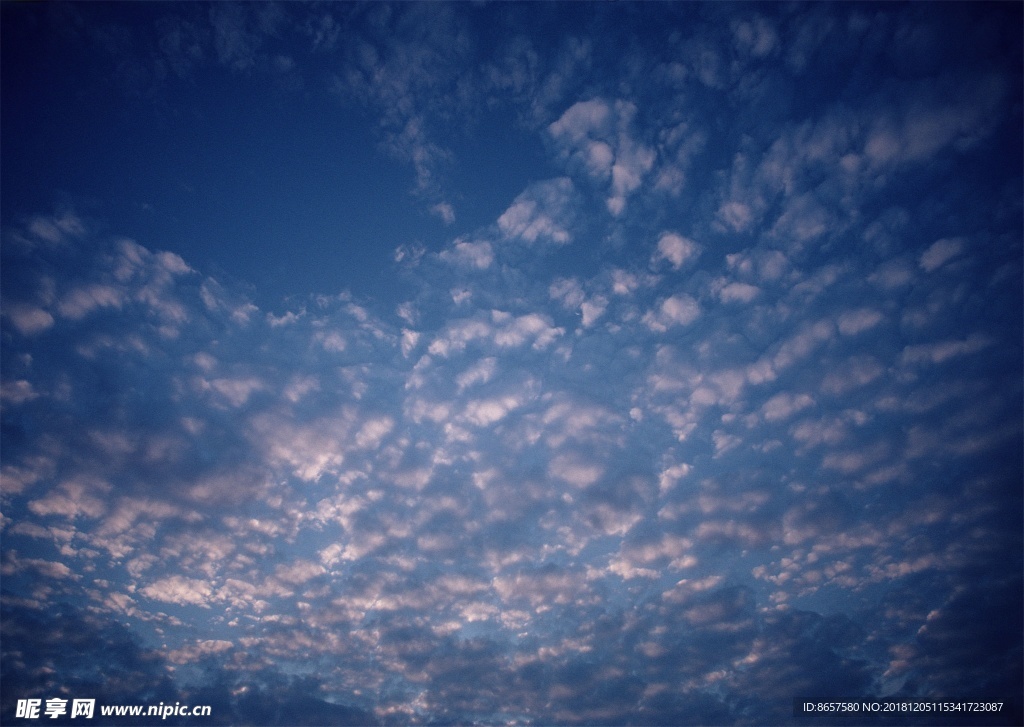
[547,363]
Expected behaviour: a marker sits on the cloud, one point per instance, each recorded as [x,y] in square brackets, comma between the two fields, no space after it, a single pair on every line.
[238,35]
[569,466]
[17,392]
[72,499]
[82,301]
[471,254]
[58,228]
[597,136]
[484,412]
[802,343]
[676,249]
[405,64]
[940,252]
[445,211]
[480,373]
[851,374]
[179,590]
[182,43]
[736,215]
[543,212]
[942,351]
[29,320]
[756,36]
[893,274]
[235,391]
[736,292]
[676,310]
[853,322]
[925,122]
[784,405]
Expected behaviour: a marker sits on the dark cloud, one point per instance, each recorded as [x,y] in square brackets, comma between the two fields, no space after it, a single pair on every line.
[65,652]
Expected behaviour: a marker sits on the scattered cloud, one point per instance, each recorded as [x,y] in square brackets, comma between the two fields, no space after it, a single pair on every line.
[543,212]
[940,252]
[565,464]
[676,249]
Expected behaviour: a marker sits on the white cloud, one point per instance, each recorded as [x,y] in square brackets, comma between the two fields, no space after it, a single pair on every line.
[736,214]
[13,563]
[410,339]
[676,249]
[479,373]
[784,405]
[599,136]
[600,159]
[180,590]
[923,123]
[569,419]
[892,274]
[285,319]
[583,120]
[575,470]
[942,351]
[624,282]
[736,292]
[677,310]
[632,163]
[633,160]
[512,331]
[756,37]
[477,255]
[74,498]
[647,559]
[299,387]
[307,450]
[940,252]
[572,296]
[852,374]
[445,211]
[28,319]
[671,475]
[173,263]
[235,391]
[82,301]
[457,334]
[373,431]
[332,341]
[17,392]
[593,309]
[484,412]
[542,588]
[192,653]
[763,265]
[216,298]
[856,321]
[542,212]
[568,291]
[724,442]
[828,430]
[855,460]
[801,344]
[803,219]
[679,144]
[298,572]
[56,229]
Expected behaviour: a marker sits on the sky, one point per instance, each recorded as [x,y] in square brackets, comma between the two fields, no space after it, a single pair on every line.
[508,363]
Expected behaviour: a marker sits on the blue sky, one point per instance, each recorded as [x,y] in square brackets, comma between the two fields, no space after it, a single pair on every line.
[537,363]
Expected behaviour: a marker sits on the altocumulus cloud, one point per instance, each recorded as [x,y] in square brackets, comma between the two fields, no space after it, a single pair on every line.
[718,407]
